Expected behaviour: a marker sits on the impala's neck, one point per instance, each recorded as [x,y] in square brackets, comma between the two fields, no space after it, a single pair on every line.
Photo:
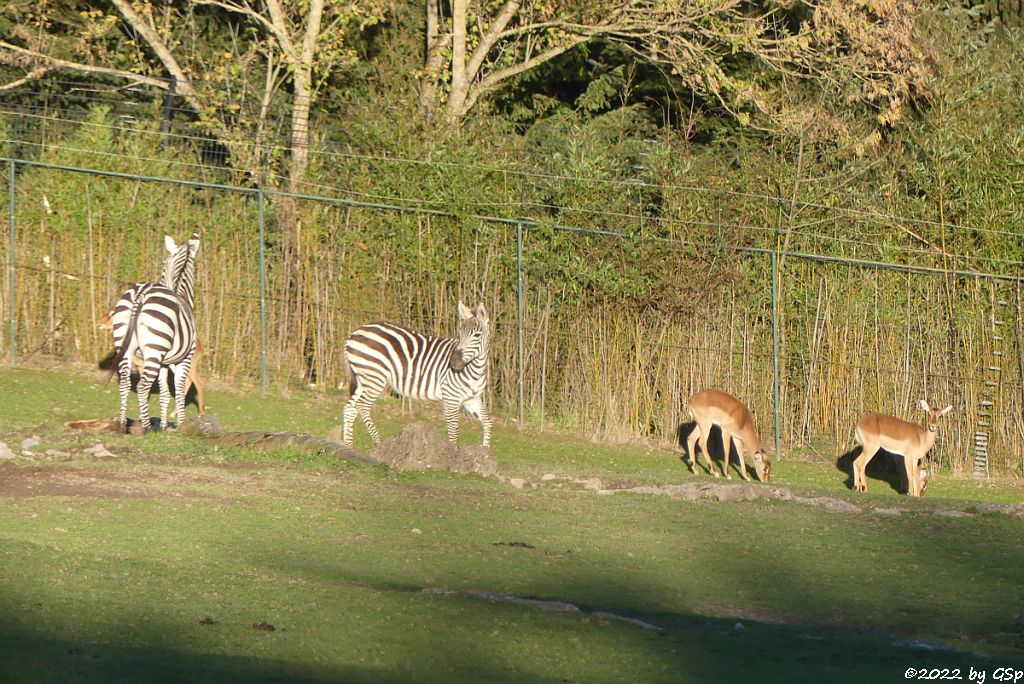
[748,435]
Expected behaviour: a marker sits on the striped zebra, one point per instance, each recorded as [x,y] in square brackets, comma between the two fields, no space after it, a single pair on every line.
[154,321]
[454,371]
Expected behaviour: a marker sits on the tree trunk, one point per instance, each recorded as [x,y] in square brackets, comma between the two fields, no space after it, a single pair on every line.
[460,84]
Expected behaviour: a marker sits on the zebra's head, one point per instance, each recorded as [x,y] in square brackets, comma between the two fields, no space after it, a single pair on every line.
[474,336]
[179,267]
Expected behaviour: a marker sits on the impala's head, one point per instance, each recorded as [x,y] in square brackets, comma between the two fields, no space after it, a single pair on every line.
[934,415]
[474,336]
[763,465]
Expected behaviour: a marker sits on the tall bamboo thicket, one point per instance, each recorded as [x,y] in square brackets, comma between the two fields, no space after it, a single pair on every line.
[623,320]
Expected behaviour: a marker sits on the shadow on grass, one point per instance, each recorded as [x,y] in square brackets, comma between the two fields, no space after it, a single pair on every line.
[884,466]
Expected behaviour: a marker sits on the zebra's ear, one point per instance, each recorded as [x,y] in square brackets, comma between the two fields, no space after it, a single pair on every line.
[464,313]
[193,243]
[481,312]
[170,245]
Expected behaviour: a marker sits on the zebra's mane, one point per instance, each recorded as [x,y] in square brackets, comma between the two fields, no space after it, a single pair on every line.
[178,265]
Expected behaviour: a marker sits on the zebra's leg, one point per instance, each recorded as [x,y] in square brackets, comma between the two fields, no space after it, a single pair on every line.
[146,380]
[451,418]
[475,407]
[180,381]
[165,396]
[124,372]
[362,399]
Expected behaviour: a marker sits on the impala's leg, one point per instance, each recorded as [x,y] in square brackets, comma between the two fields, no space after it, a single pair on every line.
[691,447]
[705,430]
[726,448]
[860,465]
[739,455]
[475,408]
[193,378]
[913,467]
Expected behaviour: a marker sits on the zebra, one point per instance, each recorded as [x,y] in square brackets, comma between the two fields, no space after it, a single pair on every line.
[154,321]
[417,366]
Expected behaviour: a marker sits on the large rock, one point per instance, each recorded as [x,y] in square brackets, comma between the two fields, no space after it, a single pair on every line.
[419,446]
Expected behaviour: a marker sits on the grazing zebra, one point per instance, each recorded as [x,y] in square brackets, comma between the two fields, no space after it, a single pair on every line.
[454,371]
[154,321]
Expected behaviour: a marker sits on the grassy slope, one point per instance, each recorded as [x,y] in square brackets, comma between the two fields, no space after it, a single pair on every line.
[98,589]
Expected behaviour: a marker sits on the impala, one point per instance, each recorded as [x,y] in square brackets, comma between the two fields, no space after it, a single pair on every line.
[909,440]
[712,407]
[107,323]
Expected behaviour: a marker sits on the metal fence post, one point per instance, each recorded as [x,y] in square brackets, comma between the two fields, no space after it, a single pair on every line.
[261,200]
[10,264]
[519,316]
[775,352]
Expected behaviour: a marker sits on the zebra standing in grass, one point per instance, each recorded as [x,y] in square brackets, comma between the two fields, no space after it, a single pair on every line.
[454,371]
[154,320]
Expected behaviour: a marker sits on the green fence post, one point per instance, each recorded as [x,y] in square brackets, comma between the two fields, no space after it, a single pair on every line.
[10,262]
[775,353]
[519,316]
[260,199]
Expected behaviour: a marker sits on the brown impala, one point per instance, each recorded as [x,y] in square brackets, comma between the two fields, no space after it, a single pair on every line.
[909,440]
[712,407]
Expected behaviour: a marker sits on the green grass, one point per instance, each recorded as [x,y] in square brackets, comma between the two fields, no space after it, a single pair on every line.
[110,583]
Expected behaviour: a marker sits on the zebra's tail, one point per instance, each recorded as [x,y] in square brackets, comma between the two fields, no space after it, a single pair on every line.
[119,354]
[350,378]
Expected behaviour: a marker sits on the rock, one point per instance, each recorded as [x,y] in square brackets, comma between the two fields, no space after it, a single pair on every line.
[829,503]
[593,483]
[5,451]
[954,514]
[416,530]
[1008,509]
[99,451]
[888,511]
[30,442]
[419,446]
[337,434]
[548,477]
[59,455]
[202,426]
[738,626]
[517,482]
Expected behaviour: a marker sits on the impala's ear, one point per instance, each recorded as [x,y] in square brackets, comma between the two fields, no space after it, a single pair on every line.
[481,312]
[924,405]
[946,410]
[170,245]
[464,312]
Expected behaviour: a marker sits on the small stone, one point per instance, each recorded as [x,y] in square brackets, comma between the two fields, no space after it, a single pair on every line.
[954,514]
[517,482]
[738,626]
[416,530]
[29,443]
[548,477]
[888,511]
[593,483]
[100,451]
[5,451]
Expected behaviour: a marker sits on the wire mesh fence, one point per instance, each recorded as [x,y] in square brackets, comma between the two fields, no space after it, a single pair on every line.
[595,327]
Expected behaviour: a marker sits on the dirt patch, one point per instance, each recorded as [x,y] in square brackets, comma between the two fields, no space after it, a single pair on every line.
[419,446]
[23,482]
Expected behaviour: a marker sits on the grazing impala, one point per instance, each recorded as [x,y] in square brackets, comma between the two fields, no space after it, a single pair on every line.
[711,407]
[909,440]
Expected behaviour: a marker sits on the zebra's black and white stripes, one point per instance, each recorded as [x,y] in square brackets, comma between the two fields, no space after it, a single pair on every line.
[417,366]
[155,321]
